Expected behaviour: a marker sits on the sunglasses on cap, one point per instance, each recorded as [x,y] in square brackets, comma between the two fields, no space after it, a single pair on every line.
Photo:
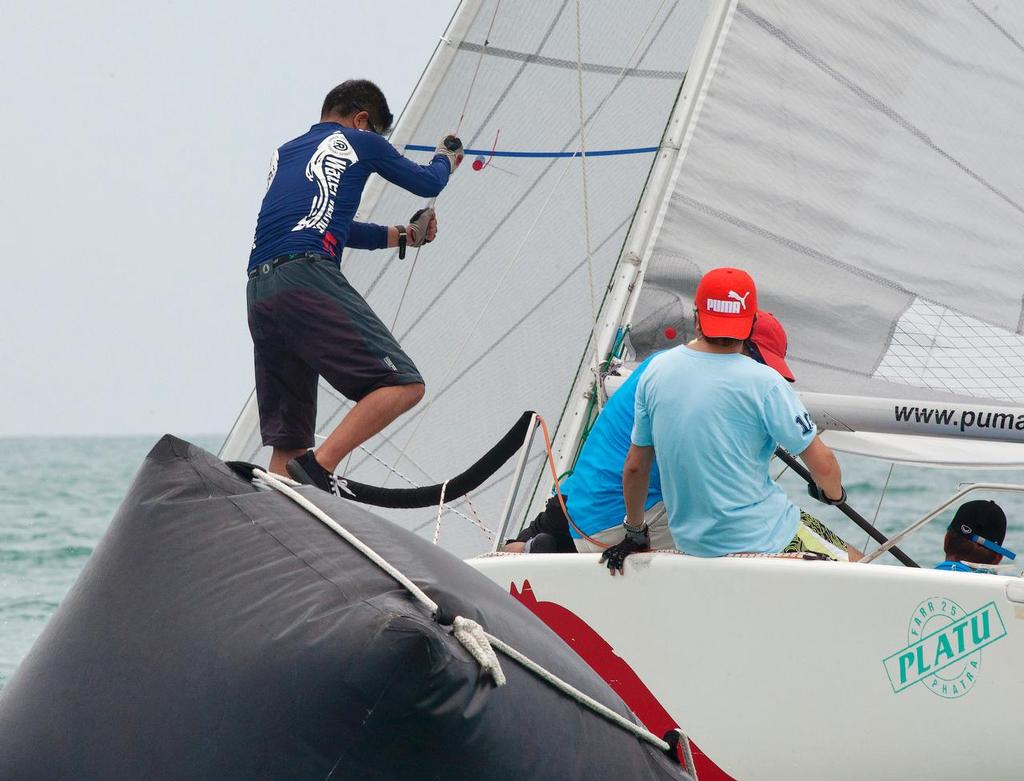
[969,533]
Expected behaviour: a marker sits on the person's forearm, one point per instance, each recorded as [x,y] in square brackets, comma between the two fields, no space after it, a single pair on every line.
[828,477]
[636,478]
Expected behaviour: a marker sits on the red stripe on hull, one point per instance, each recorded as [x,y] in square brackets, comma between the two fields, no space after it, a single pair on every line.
[601,657]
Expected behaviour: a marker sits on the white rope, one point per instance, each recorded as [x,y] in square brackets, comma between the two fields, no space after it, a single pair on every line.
[522,244]
[458,127]
[479,59]
[691,767]
[478,643]
[440,512]
[874,520]
[418,594]
[475,640]
[576,694]
[595,361]
[475,520]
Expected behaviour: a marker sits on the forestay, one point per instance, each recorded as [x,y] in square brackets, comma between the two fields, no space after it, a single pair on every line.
[864,162]
[498,315]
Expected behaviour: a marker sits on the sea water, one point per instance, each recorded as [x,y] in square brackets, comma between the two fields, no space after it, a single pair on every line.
[57,497]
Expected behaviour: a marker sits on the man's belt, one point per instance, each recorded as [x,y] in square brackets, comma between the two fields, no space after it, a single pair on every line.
[267,266]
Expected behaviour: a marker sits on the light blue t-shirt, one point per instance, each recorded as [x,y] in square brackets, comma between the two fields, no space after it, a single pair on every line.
[714,421]
[594,490]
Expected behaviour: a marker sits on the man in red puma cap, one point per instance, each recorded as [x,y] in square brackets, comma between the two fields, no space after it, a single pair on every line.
[593,494]
[714,419]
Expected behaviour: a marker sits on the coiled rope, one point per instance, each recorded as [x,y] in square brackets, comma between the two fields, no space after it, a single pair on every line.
[479,643]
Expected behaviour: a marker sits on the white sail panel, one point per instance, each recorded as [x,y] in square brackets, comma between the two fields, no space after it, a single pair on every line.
[862,161]
[498,311]
[939,347]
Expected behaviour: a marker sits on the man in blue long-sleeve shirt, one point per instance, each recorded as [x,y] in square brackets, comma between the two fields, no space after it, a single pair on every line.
[305,319]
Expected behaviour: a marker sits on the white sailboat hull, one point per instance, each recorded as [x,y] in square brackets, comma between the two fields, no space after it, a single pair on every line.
[787,669]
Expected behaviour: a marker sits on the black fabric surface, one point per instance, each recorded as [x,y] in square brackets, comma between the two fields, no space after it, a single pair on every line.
[221,632]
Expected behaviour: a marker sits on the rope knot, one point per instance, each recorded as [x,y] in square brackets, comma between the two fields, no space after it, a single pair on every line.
[474,639]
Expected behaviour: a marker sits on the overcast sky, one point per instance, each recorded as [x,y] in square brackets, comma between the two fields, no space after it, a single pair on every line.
[136,140]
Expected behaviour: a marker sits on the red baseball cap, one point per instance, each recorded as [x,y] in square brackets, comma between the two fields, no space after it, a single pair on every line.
[726,302]
[769,337]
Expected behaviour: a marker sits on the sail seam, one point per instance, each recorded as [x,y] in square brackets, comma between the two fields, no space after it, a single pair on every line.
[991,20]
[556,62]
[792,244]
[515,78]
[877,104]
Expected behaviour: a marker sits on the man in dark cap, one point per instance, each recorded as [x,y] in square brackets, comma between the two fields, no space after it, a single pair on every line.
[974,538]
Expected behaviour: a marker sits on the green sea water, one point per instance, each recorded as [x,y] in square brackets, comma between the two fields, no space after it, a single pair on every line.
[57,497]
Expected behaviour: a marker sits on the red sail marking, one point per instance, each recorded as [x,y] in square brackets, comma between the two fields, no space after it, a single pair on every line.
[596,652]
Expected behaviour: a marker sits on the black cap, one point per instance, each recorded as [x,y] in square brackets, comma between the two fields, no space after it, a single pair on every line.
[982,517]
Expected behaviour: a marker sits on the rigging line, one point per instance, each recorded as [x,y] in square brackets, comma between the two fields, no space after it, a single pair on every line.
[477,522]
[471,331]
[528,194]
[529,231]
[875,103]
[874,518]
[346,405]
[596,364]
[476,71]
[495,482]
[497,102]
[514,79]
[495,152]
[509,331]
[632,216]
[458,127]
[991,20]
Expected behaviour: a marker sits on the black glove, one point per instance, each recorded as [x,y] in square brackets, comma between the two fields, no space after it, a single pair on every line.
[451,147]
[634,542]
[418,229]
[815,492]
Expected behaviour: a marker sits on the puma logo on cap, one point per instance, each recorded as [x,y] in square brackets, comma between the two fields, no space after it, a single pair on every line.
[742,299]
[729,307]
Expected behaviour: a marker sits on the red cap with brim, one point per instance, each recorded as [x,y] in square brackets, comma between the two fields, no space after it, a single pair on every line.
[770,338]
[726,301]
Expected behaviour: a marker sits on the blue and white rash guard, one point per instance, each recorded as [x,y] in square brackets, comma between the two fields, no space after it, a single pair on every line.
[314,187]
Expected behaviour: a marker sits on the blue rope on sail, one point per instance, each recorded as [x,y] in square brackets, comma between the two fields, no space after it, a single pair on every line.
[641,150]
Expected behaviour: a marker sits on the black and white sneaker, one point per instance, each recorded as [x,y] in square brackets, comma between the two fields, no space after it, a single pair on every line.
[307,470]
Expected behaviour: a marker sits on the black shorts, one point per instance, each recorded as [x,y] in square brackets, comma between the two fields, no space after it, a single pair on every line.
[306,321]
[551,521]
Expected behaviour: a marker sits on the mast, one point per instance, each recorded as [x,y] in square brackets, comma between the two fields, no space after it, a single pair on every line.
[627,279]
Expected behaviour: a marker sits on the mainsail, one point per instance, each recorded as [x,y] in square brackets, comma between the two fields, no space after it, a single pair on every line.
[863,162]
[498,314]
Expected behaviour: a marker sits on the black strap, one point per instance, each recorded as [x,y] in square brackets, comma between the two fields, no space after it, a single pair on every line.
[401,241]
[430,495]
